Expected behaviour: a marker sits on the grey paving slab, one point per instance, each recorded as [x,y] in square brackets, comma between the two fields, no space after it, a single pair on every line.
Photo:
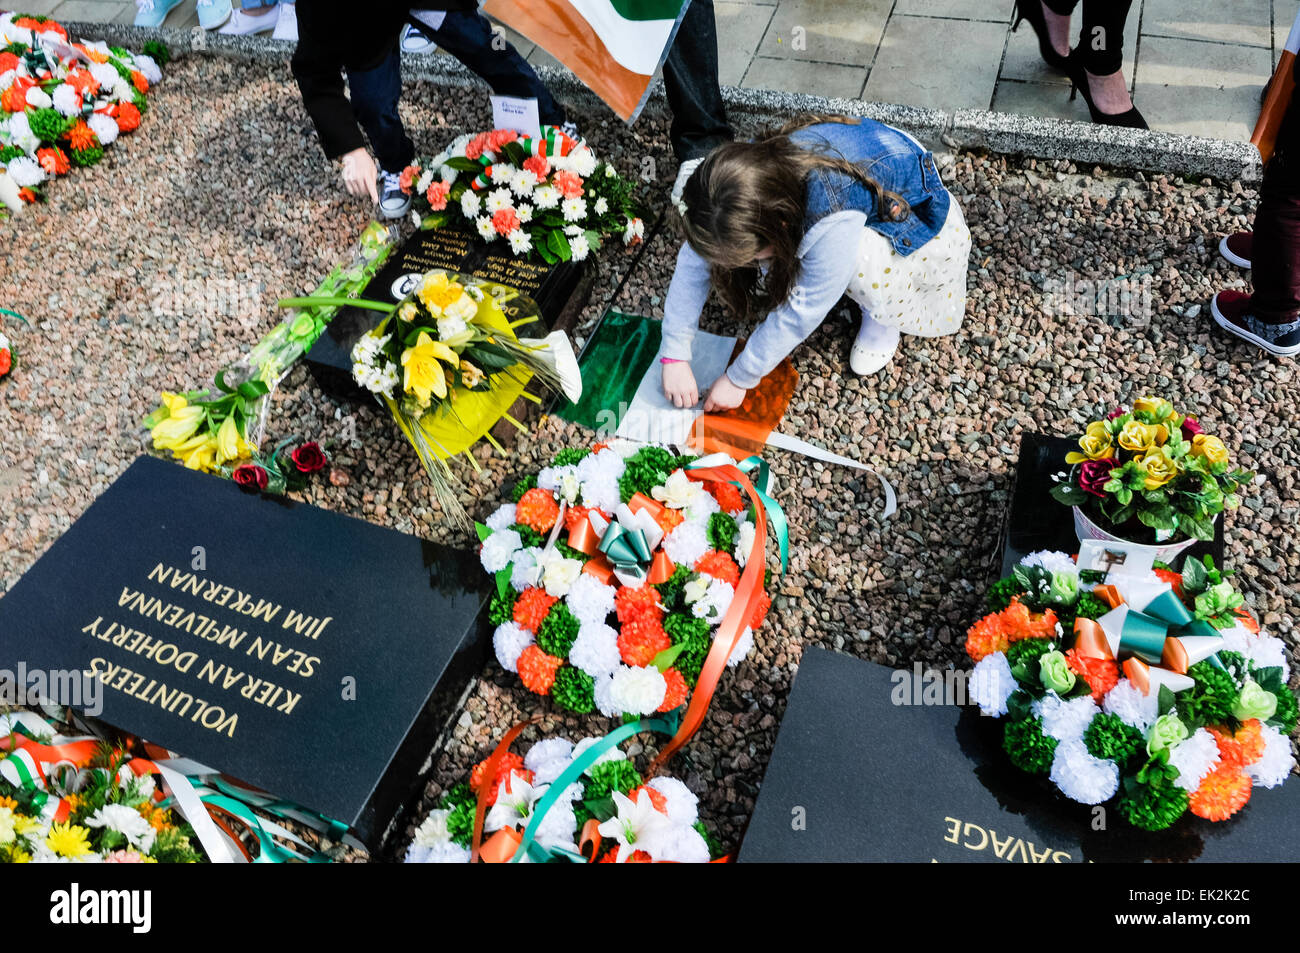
[962,78]
[802,76]
[827,31]
[1240,22]
[1203,89]
[1284,15]
[997,11]
[741,27]
[1045,100]
[84,9]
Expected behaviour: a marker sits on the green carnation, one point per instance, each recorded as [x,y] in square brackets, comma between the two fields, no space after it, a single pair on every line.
[1288,711]
[610,776]
[48,125]
[1030,750]
[1165,733]
[1027,650]
[1153,808]
[649,467]
[523,486]
[558,631]
[722,532]
[568,552]
[1002,592]
[671,588]
[529,535]
[1054,672]
[501,609]
[10,152]
[158,51]
[1255,701]
[1089,607]
[715,845]
[460,824]
[569,456]
[574,689]
[1108,737]
[1210,699]
[687,630]
[86,157]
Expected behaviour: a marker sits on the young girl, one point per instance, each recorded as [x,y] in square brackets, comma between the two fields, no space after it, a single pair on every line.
[785,225]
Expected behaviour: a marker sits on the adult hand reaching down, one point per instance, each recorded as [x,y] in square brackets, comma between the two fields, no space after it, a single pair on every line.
[360,174]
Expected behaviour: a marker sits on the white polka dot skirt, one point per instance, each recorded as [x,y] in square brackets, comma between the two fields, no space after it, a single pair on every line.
[923,293]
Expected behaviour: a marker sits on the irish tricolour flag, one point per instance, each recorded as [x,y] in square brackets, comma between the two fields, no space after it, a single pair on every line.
[614,46]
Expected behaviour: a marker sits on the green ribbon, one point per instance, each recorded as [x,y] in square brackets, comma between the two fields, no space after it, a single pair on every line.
[528,846]
[627,549]
[14,314]
[760,475]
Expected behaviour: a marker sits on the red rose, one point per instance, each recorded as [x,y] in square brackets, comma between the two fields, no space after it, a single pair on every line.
[1191,428]
[309,458]
[250,476]
[1117,412]
[1093,475]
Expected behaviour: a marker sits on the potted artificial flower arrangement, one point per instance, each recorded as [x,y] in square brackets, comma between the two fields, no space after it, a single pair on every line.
[1150,477]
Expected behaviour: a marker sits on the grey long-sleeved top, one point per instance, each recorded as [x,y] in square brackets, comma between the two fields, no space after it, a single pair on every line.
[828,256]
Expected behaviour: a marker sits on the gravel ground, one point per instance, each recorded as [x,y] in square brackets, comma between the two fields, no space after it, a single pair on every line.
[154,269]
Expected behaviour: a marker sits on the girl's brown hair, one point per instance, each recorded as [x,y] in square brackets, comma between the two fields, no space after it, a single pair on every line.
[748,196]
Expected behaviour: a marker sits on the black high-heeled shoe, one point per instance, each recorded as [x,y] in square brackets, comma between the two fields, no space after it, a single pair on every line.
[1032,10]
[1079,84]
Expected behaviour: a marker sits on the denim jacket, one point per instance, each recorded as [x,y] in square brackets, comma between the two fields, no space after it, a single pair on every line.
[895,161]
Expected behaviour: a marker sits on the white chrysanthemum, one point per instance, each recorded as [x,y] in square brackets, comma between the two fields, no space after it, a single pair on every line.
[470,204]
[105,75]
[559,573]
[1264,650]
[686,544]
[1133,708]
[1051,561]
[546,750]
[595,650]
[148,66]
[743,646]
[509,641]
[521,243]
[682,805]
[128,822]
[522,183]
[501,173]
[502,518]
[448,852]
[425,180]
[486,230]
[38,98]
[550,478]
[1275,764]
[601,491]
[447,174]
[388,378]
[573,210]
[21,135]
[579,247]
[1081,777]
[681,845]
[433,829]
[498,199]
[745,531]
[104,128]
[590,600]
[7,79]
[558,827]
[1194,757]
[601,206]
[524,573]
[546,196]
[582,161]
[571,230]
[991,683]
[701,506]
[499,548]
[525,212]
[1065,720]
[68,101]
[610,754]
[548,771]
[25,171]
[637,691]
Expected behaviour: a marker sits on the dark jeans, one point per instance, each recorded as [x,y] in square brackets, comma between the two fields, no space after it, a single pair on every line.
[691,83]
[1275,251]
[1101,37]
[466,36]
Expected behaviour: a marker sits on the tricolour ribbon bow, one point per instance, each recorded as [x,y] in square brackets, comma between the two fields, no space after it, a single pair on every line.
[627,547]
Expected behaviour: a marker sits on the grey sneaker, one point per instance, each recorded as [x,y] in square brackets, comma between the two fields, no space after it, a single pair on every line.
[393,202]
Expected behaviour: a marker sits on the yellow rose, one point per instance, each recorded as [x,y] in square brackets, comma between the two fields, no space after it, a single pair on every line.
[1158,467]
[1095,444]
[1211,448]
[1137,436]
[1158,407]
[424,371]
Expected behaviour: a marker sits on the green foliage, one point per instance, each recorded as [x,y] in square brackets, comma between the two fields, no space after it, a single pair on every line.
[556,634]
[1152,807]
[173,846]
[1089,607]
[574,689]
[671,588]
[1107,736]
[1001,593]
[1029,749]
[1213,597]
[525,484]
[570,455]
[502,607]
[722,532]
[715,845]
[529,535]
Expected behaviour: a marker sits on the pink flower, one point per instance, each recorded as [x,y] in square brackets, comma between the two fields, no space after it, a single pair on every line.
[1093,475]
[499,137]
[124,857]
[569,184]
[505,221]
[539,166]
[476,146]
[1191,428]
[1117,412]
[406,181]
[437,195]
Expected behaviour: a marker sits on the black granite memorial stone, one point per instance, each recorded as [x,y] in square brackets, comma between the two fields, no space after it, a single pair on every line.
[310,654]
[1035,521]
[856,777]
[560,292]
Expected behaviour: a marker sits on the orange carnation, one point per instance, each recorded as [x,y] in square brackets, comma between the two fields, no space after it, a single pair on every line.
[986,637]
[574,516]
[760,611]
[569,184]
[53,160]
[531,608]
[139,81]
[128,117]
[1020,623]
[436,195]
[509,762]
[1101,674]
[641,640]
[8,61]
[1222,793]
[668,519]
[537,670]
[537,510]
[14,99]
[638,857]
[82,136]
[727,495]
[720,566]
[675,696]
[634,603]
[1245,746]
[83,82]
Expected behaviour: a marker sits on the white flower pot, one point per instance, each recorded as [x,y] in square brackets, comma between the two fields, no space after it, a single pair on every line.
[1167,552]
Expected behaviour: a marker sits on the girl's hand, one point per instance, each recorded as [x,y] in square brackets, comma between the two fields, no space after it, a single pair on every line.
[679,384]
[724,395]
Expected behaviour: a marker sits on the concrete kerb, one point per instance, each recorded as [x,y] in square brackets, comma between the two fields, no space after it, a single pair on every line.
[1084,144]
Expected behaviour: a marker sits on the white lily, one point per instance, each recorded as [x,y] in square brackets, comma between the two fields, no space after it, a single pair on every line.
[636,825]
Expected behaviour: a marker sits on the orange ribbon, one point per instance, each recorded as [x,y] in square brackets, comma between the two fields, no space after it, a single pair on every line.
[1109,595]
[1090,640]
[488,784]
[748,592]
[584,538]
[590,835]
[501,846]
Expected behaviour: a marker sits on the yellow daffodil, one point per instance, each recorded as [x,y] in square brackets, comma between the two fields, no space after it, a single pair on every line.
[230,442]
[177,428]
[199,452]
[69,840]
[173,402]
[471,374]
[1211,448]
[1138,437]
[437,291]
[424,372]
[1158,467]
[1095,444]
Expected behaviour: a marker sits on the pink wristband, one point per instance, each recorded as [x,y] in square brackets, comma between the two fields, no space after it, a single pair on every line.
[671,360]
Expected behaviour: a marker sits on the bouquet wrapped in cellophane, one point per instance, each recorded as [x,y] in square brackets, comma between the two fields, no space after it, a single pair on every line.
[447,363]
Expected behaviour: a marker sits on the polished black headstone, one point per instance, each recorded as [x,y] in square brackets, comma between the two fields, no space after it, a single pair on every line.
[1035,521]
[855,777]
[310,654]
[560,291]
